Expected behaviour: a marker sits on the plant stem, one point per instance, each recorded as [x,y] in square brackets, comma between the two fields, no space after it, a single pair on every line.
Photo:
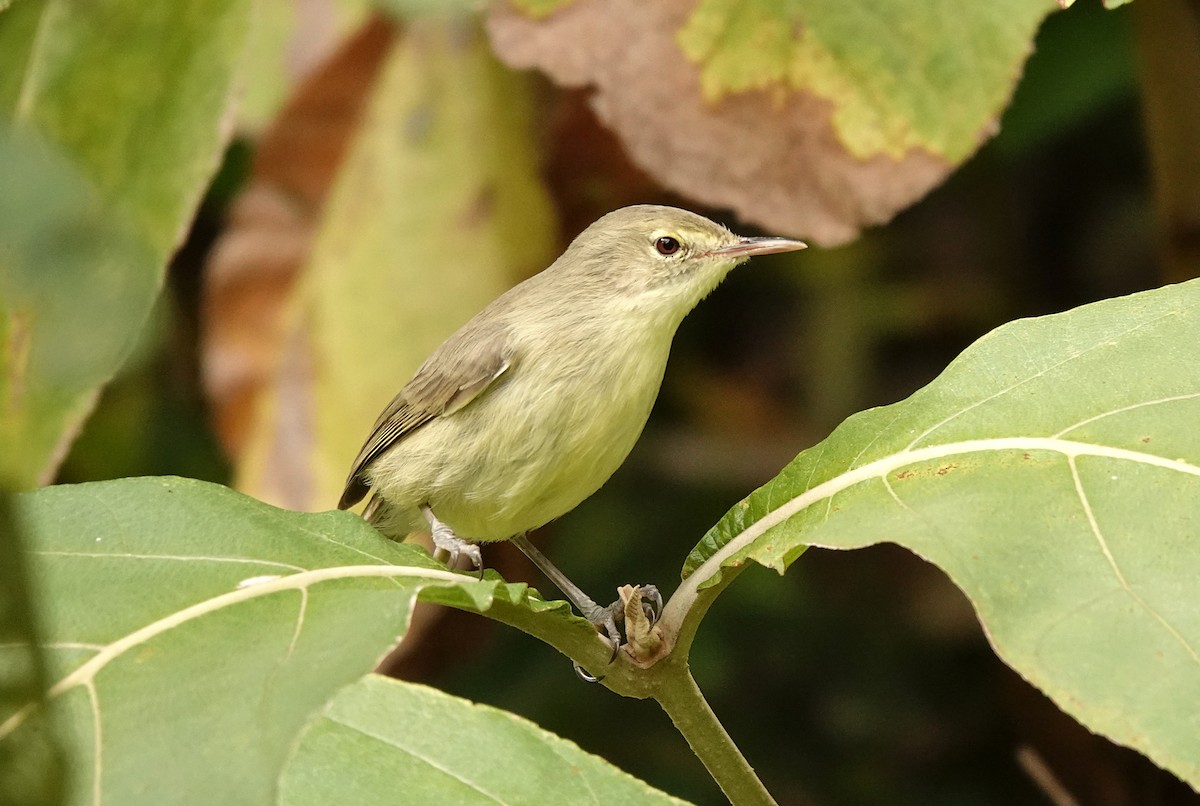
[681,698]
[665,677]
[668,681]
[689,604]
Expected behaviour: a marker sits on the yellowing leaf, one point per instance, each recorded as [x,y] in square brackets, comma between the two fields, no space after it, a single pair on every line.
[252,271]
[288,42]
[437,210]
[899,76]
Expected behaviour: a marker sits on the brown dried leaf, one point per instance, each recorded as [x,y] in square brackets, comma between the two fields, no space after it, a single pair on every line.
[643,639]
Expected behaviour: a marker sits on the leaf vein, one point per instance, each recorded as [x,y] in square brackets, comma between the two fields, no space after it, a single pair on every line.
[86,672]
[390,742]
[97,740]
[178,557]
[679,605]
[1116,569]
[1043,371]
[1123,409]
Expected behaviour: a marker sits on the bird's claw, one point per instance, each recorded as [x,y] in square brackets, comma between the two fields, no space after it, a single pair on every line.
[449,546]
[652,603]
[606,619]
[584,675]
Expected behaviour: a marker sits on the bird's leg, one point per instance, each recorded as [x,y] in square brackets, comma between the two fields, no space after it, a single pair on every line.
[447,545]
[604,618]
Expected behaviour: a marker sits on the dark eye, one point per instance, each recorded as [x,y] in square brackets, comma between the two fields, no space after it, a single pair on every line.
[666,245]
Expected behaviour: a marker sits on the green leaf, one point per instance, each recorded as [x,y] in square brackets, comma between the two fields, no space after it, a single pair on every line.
[190,629]
[58,250]
[138,95]
[380,737]
[1053,472]
[30,768]
[123,109]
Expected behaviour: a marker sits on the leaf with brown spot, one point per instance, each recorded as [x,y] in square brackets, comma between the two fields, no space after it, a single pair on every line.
[813,119]
[1030,486]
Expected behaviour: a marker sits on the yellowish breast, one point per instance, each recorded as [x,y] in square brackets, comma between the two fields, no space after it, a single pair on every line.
[550,432]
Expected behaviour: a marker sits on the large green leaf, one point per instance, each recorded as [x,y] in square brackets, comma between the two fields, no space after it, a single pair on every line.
[190,629]
[379,737]
[124,108]
[1053,471]
[69,305]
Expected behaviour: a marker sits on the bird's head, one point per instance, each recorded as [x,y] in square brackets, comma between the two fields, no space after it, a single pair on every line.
[664,256]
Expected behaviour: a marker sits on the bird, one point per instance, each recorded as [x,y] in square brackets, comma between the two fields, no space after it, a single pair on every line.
[528,408]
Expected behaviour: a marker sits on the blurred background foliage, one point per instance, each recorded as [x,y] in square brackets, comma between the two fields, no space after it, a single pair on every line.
[860,677]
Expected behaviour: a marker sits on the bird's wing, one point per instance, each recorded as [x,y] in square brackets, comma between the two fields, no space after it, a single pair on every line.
[457,373]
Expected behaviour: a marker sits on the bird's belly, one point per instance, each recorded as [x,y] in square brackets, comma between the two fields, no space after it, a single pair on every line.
[510,462]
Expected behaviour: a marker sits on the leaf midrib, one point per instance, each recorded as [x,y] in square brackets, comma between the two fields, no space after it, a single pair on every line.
[879,469]
[86,672]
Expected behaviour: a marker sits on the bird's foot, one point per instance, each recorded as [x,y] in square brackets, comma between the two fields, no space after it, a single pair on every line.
[638,609]
[604,619]
[448,547]
[649,605]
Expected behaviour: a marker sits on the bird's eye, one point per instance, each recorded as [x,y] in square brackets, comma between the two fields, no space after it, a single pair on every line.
[666,245]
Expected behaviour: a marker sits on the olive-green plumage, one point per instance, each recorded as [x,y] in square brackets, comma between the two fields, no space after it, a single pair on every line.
[528,408]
